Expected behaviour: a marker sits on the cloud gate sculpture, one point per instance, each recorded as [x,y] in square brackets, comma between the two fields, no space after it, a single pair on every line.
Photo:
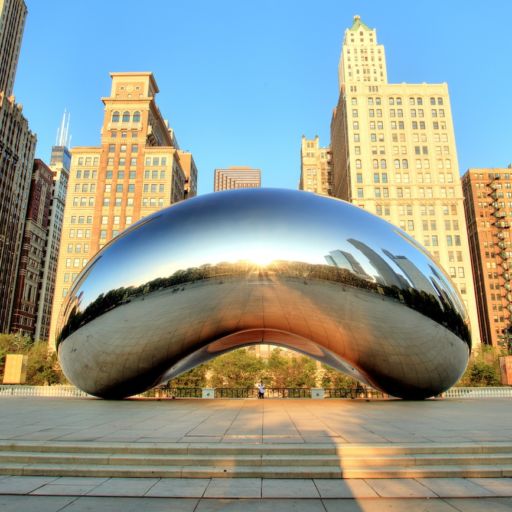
[231,269]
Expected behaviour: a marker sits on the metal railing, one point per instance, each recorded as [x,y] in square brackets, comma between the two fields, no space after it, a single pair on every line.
[63,391]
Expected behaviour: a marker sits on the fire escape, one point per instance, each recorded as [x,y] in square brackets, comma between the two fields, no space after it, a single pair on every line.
[502,251]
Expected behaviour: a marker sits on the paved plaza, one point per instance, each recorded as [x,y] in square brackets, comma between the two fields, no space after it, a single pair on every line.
[341,422]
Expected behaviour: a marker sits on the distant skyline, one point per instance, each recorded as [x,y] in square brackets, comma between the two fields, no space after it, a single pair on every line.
[242,82]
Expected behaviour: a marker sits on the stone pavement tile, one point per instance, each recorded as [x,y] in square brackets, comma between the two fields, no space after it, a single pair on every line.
[79,480]
[399,488]
[481,504]
[498,486]
[390,505]
[93,504]
[124,487]
[179,488]
[455,487]
[234,488]
[288,488]
[255,505]
[201,439]
[63,490]
[352,488]
[34,503]
[23,484]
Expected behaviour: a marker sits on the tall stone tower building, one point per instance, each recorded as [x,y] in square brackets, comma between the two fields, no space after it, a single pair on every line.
[315,167]
[135,172]
[59,164]
[12,23]
[30,267]
[17,146]
[394,154]
[488,205]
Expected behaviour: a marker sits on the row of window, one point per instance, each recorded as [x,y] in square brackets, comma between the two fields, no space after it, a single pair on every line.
[86,175]
[88,160]
[78,248]
[124,134]
[116,220]
[425,210]
[400,113]
[398,100]
[125,117]
[75,262]
[405,192]
[122,148]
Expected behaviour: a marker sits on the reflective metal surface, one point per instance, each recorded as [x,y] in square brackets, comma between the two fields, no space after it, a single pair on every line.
[235,268]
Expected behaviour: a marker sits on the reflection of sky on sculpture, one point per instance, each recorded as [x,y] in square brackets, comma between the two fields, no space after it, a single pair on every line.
[246,227]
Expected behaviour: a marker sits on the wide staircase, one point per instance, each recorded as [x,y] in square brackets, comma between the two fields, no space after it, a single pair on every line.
[230,460]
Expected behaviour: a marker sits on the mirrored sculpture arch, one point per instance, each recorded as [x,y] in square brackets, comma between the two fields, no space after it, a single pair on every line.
[229,269]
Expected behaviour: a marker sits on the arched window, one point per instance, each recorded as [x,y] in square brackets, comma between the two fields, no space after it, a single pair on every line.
[358,164]
[448,164]
[126,117]
[397,163]
[383,164]
[136,117]
[375,164]
[405,164]
[115,117]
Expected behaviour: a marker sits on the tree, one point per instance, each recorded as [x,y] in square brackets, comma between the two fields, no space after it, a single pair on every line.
[332,378]
[195,378]
[483,368]
[239,368]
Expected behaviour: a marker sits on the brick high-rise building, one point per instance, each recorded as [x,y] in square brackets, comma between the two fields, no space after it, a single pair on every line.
[30,268]
[236,177]
[315,167]
[394,154]
[17,146]
[134,172]
[12,23]
[488,206]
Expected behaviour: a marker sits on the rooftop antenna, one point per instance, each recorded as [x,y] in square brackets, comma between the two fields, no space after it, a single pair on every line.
[63,137]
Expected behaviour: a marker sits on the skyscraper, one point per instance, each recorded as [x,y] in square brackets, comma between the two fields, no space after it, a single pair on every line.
[315,167]
[30,268]
[12,23]
[488,206]
[135,172]
[393,153]
[17,146]
[236,177]
[59,164]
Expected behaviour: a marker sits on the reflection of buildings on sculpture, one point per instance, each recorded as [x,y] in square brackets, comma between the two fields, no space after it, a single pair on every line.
[385,274]
[412,272]
[137,170]
[236,177]
[394,154]
[343,259]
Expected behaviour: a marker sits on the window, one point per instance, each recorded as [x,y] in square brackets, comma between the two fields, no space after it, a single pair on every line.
[133,162]
[108,187]
[120,175]
[123,148]
[115,117]
[131,187]
[126,117]
[360,193]
[359,178]
[136,117]
[396,163]
[119,188]
[358,164]
[383,164]
[135,148]
[405,164]
[103,233]
[111,148]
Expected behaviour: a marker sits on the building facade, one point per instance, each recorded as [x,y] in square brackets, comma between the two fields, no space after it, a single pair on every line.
[59,164]
[315,167]
[17,146]
[12,22]
[134,172]
[236,177]
[488,206]
[30,267]
[394,154]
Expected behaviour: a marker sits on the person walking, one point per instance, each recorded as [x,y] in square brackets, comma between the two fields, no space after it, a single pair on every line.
[261,390]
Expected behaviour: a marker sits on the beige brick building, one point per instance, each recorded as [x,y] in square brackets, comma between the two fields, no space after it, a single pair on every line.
[135,172]
[394,154]
[488,205]
[236,177]
[315,167]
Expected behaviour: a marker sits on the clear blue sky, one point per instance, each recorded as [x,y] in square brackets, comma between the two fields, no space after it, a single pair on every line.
[240,82]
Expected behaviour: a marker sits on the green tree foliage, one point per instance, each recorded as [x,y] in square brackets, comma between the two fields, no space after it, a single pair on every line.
[42,366]
[332,378]
[195,378]
[483,369]
[240,368]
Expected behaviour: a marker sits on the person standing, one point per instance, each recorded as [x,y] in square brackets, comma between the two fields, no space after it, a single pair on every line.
[261,390]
